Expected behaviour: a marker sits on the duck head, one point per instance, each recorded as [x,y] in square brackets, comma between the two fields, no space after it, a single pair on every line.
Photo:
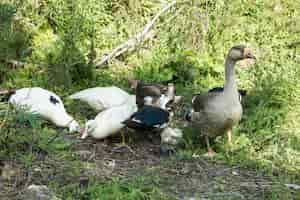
[240,52]
[133,83]
[86,130]
[74,127]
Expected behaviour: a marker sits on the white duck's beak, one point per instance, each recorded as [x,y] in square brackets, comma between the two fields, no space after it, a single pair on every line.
[83,133]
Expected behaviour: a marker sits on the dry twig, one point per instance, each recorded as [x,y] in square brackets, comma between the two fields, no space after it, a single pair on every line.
[14,63]
[135,40]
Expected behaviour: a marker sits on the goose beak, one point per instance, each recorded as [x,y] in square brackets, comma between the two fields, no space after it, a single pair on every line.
[251,56]
[248,54]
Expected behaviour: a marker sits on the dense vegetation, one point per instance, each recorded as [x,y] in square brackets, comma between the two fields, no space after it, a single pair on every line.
[57,44]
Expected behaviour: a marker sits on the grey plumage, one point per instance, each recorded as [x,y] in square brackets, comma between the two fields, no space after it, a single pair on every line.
[215,113]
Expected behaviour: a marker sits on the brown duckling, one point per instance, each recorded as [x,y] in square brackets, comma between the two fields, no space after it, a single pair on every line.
[153,90]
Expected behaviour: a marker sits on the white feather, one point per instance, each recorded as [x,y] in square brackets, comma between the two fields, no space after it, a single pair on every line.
[163,100]
[37,100]
[100,98]
[171,136]
[110,120]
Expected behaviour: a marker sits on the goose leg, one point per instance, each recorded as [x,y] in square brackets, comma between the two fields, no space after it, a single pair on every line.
[229,136]
[123,138]
[210,152]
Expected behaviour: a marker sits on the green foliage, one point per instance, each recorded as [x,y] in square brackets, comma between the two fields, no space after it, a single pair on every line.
[23,137]
[60,39]
[135,189]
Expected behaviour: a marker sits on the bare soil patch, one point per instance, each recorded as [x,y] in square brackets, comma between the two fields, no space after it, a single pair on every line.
[197,178]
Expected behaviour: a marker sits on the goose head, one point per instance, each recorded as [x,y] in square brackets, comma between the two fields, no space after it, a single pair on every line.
[240,52]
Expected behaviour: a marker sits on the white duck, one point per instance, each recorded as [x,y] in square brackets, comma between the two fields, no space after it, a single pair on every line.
[100,98]
[110,120]
[46,104]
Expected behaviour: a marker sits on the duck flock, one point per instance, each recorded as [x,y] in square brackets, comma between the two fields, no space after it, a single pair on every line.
[151,108]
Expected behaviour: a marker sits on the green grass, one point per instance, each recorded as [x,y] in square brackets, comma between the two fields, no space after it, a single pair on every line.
[191,43]
[128,190]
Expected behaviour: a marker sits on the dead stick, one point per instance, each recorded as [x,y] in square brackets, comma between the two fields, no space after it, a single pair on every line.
[138,38]
[6,92]
[14,63]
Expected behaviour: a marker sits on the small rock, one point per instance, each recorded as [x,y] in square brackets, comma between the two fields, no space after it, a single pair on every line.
[234,173]
[37,169]
[38,192]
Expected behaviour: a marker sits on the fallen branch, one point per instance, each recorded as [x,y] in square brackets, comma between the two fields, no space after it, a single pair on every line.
[14,63]
[6,92]
[135,40]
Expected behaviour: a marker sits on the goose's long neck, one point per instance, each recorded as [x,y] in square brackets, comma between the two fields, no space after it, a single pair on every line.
[230,84]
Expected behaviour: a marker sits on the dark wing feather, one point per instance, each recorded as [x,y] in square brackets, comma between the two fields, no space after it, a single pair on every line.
[221,89]
[201,100]
[216,89]
[147,118]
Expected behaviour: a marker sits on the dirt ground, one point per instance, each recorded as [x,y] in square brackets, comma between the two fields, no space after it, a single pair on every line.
[197,178]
